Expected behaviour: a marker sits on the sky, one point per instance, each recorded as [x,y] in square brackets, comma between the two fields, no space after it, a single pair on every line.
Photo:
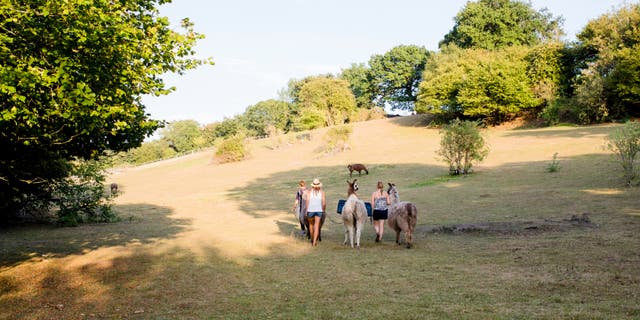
[258,46]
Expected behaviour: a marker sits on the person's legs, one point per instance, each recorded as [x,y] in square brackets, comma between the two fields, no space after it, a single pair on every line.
[316,229]
[381,227]
[311,230]
[376,226]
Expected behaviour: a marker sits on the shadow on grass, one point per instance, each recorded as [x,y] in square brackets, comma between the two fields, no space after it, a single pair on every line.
[141,223]
[563,132]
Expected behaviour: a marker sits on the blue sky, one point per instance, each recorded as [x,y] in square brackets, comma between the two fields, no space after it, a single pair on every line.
[257,46]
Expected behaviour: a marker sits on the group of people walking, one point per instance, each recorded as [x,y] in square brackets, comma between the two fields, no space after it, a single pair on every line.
[313,202]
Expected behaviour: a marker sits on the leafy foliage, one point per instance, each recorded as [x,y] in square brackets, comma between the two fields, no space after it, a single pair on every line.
[232,149]
[360,80]
[330,97]
[609,86]
[395,76]
[81,197]
[477,83]
[183,135]
[461,145]
[71,78]
[492,24]
[267,117]
[625,143]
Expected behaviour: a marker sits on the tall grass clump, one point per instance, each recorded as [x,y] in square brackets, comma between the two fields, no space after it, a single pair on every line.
[625,143]
[461,145]
[555,164]
[231,149]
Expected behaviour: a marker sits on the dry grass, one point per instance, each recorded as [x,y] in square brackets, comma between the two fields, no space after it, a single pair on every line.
[200,240]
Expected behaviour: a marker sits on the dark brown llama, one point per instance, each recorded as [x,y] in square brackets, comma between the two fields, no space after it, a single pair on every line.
[114,188]
[357,167]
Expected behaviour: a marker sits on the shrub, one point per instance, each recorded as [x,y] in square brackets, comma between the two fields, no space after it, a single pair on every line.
[82,197]
[335,140]
[231,150]
[462,144]
[554,165]
[625,143]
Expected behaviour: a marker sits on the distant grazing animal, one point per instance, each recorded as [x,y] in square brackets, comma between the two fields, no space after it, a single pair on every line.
[357,167]
[354,215]
[114,188]
[403,216]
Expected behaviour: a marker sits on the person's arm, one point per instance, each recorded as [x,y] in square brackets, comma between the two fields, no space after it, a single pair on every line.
[373,198]
[306,201]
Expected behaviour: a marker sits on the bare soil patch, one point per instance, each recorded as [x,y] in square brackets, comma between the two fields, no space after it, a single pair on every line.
[514,227]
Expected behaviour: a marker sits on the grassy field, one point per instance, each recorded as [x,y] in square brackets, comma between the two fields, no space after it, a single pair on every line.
[205,241]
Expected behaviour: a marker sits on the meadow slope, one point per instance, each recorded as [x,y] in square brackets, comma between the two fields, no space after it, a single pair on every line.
[200,240]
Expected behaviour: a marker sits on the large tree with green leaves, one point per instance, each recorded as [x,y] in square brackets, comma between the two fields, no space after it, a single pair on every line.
[330,98]
[72,75]
[182,135]
[360,80]
[491,24]
[395,76]
[267,117]
[477,83]
[609,86]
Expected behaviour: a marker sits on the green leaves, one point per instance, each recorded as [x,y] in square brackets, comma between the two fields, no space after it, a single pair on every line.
[72,75]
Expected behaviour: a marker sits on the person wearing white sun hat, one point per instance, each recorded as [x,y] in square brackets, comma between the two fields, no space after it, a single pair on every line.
[316,208]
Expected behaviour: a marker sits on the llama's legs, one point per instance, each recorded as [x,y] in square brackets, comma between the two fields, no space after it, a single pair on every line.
[398,237]
[408,237]
[358,232]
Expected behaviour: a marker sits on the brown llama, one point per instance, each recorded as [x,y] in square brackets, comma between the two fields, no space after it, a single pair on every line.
[114,188]
[354,215]
[357,167]
[403,216]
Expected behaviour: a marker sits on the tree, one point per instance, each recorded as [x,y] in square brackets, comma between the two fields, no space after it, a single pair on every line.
[360,81]
[71,80]
[395,76]
[182,135]
[612,43]
[477,83]
[461,145]
[492,24]
[229,127]
[330,97]
[267,117]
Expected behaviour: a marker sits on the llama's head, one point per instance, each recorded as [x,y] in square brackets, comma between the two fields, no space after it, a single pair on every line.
[393,192]
[353,186]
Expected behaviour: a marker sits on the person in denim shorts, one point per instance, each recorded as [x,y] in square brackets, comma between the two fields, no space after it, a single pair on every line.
[316,205]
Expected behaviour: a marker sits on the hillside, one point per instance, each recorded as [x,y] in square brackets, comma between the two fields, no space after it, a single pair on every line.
[200,240]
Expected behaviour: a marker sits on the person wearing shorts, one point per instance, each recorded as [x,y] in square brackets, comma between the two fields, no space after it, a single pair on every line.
[380,201]
[316,205]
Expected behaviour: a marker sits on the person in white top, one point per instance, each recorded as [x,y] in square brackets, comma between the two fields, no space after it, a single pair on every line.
[316,205]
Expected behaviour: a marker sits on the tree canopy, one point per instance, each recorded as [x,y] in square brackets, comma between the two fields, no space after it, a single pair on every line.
[491,24]
[72,75]
[328,97]
[395,76]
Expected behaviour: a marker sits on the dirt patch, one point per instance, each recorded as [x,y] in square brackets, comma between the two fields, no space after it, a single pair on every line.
[514,227]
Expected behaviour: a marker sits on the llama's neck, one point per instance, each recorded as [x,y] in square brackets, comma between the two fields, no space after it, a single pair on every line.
[351,193]
[393,198]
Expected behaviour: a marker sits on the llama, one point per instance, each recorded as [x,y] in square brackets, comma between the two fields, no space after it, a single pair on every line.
[354,215]
[114,188]
[403,216]
[357,167]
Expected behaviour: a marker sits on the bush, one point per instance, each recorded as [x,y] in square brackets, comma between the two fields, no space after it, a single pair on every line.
[82,197]
[625,143]
[231,150]
[335,140]
[461,145]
